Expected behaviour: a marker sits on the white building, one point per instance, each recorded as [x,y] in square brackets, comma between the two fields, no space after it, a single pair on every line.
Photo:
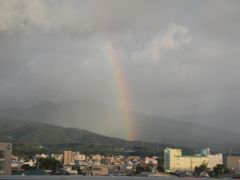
[79,157]
[214,159]
[174,160]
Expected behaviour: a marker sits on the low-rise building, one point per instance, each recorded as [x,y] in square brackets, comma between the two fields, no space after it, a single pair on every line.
[44,156]
[149,162]
[99,171]
[232,162]
[79,157]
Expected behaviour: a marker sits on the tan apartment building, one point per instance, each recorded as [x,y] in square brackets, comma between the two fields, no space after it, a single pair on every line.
[5,158]
[67,158]
[214,159]
[174,160]
[232,162]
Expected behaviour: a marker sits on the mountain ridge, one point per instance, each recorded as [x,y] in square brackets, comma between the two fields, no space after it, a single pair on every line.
[106,120]
[28,136]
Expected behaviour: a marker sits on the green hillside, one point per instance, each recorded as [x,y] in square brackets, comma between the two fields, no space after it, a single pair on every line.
[107,120]
[26,133]
[34,137]
[35,132]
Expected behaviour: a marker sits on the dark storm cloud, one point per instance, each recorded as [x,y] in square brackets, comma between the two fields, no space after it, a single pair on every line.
[180,57]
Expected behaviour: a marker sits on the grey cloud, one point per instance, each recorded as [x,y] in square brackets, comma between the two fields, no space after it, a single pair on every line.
[172,38]
[55,50]
[74,17]
[219,20]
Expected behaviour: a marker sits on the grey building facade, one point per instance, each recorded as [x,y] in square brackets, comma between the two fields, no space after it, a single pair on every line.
[5,158]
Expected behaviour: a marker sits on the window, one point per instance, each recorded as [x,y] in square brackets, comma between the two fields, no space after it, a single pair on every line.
[2,154]
[2,167]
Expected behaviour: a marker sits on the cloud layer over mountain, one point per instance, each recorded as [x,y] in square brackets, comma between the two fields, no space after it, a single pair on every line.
[181,58]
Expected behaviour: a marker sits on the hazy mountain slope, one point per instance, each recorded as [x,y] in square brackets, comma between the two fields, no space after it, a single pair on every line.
[40,133]
[28,135]
[187,134]
[84,115]
[107,120]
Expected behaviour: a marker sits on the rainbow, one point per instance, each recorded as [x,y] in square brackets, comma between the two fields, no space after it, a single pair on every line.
[122,91]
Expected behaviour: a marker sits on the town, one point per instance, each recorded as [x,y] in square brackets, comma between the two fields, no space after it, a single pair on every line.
[173,162]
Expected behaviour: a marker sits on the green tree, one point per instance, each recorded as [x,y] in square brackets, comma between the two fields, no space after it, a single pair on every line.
[139,169]
[218,170]
[48,164]
[201,168]
[27,167]
[160,166]
[148,168]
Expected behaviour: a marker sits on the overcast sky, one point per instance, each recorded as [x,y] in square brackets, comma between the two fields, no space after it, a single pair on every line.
[181,58]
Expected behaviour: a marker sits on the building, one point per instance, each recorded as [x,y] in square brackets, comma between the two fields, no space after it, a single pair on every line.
[67,158]
[175,161]
[149,162]
[5,158]
[97,157]
[232,162]
[214,159]
[79,157]
[44,156]
[99,171]
[205,152]
[58,157]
